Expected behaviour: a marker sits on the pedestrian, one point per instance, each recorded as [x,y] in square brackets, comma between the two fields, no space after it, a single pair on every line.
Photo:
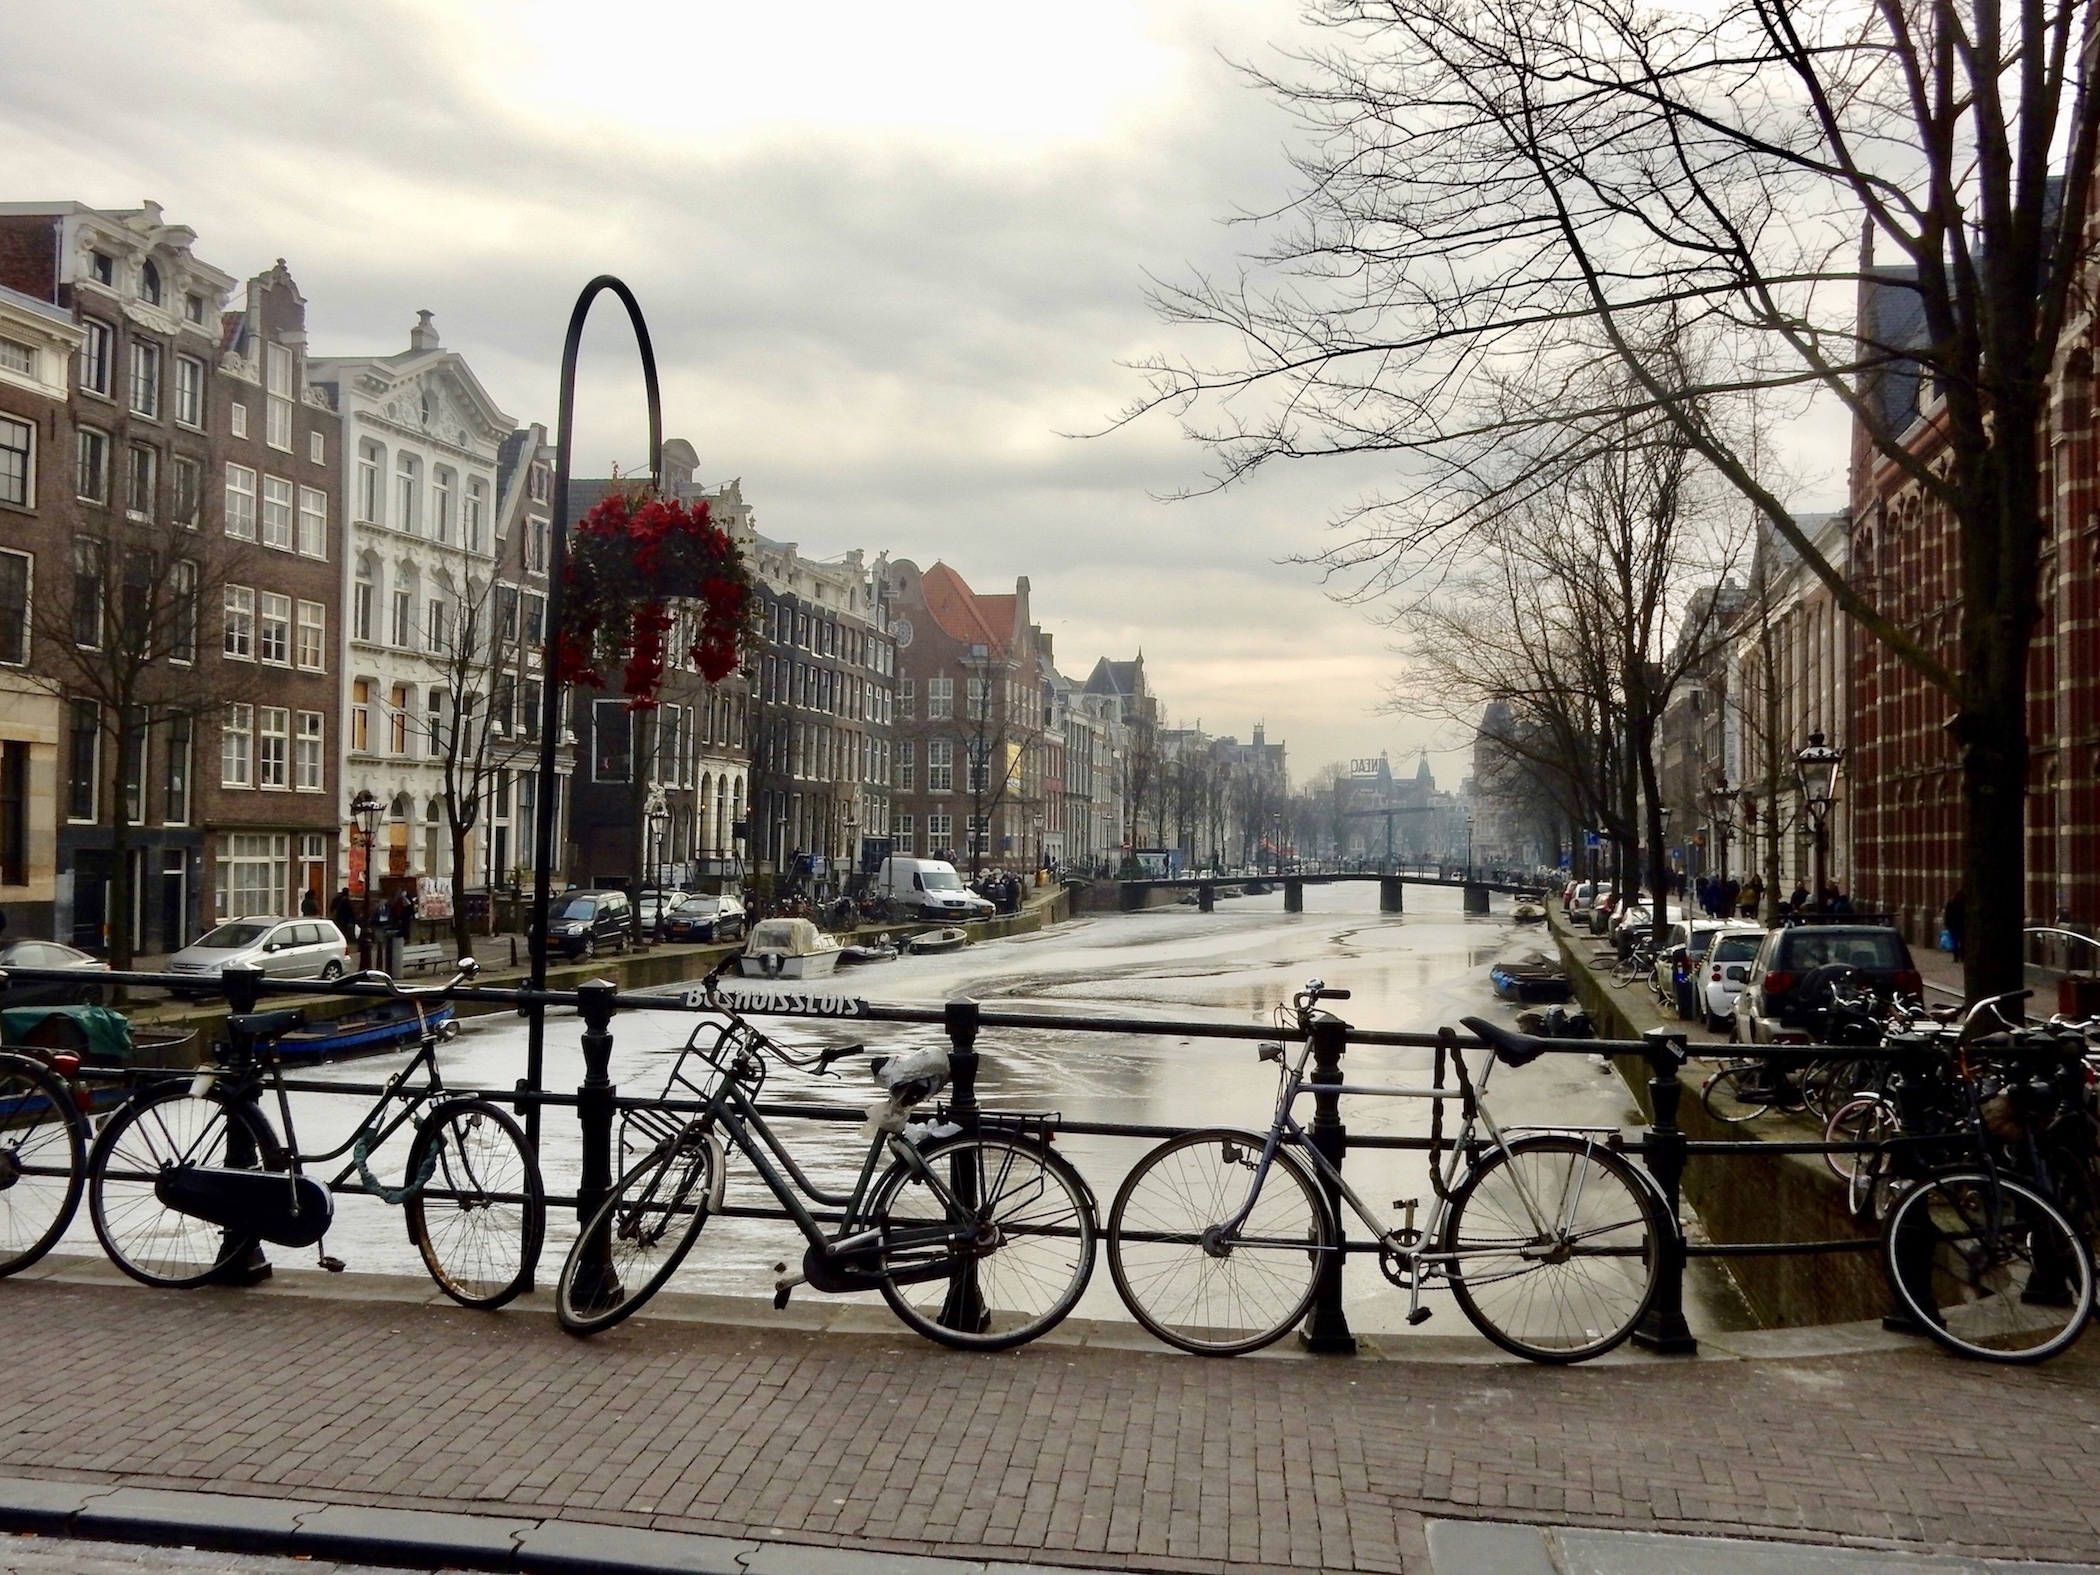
[1799,899]
[1836,900]
[344,912]
[1953,918]
[1731,897]
[1753,895]
[309,904]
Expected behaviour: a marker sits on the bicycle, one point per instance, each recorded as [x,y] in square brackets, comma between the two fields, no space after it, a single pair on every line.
[43,1157]
[989,1257]
[187,1178]
[1549,1241]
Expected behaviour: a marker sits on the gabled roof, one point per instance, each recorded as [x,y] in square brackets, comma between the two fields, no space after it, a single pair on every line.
[1116,678]
[963,614]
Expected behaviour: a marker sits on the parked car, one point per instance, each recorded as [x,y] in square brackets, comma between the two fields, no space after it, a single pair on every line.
[282,948]
[585,922]
[41,992]
[928,889]
[1774,1008]
[652,906]
[1679,965]
[1726,966]
[704,918]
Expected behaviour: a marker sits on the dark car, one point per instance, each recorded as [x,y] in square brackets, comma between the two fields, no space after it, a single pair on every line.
[704,918]
[585,923]
[1787,979]
[41,992]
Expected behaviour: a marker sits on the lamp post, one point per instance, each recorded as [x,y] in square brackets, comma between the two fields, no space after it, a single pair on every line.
[1662,898]
[851,851]
[658,816]
[1718,803]
[366,809]
[1817,769]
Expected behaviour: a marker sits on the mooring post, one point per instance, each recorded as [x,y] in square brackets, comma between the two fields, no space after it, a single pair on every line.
[1206,897]
[1294,896]
[964,1308]
[1326,1330]
[596,1281]
[1476,899]
[1392,893]
[1663,1329]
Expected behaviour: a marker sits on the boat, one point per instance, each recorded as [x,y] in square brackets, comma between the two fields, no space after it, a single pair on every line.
[788,949]
[101,1037]
[1533,983]
[880,952]
[1529,912]
[933,942]
[389,1026]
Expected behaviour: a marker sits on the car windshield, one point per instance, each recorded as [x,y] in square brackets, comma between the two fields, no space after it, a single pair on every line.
[228,936]
[1736,948]
[1847,948]
[940,880]
[697,905]
[576,908]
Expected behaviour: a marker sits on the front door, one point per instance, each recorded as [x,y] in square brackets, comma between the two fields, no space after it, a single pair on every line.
[174,899]
[90,899]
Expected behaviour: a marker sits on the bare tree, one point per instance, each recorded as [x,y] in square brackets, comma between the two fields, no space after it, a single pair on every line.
[1002,731]
[1490,189]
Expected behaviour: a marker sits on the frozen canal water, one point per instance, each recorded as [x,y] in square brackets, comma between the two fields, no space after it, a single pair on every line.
[1237,965]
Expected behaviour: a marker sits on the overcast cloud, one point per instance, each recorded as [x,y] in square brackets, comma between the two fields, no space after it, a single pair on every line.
[888,255]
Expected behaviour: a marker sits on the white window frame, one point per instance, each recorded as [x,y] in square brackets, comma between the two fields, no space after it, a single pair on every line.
[28,432]
[237,420]
[273,748]
[371,482]
[273,629]
[98,353]
[312,536]
[238,642]
[310,640]
[84,438]
[277,407]
[236,752]
[404,624]
[317,448]
[28,602]
[242,494]
[280,500]
[189,392]
[310,767]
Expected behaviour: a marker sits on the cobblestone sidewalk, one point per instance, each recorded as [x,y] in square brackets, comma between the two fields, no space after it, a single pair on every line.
[1058,1454]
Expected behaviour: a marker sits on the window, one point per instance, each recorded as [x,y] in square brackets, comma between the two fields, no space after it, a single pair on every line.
[405,619]
[370,457]
[477,509]
[940,699]
[97,353]
[277,513]
[145,379]
[236,738]
[542,484]
[17,461]
[611,740]
[142,479]
[149,283]
[316,448]
[974,698]
[15,356]
[311,724]
[506,612]
[136,609]
[193,308]
[361,594]
[535,619]
[907,699]
[361,715]
[940,765]
[88,572]
[237,420]
[273,744]
[434,724]
[240,622]
[397,720]
[441,486]
[256,873]
[539,545]
[277,384]
[940,833]
[439,625]
[175,773]
[102,268]
[313,636]
[530,699]
[182,604]
[313,522]
[406,516]
[907,766]
[184,491]
[240,502]
[189,391]
[14,609]
[131,765]
[83,759]
[274,632]
[901,839]
[91,471]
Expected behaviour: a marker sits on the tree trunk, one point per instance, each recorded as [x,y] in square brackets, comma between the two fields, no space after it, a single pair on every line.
[462,933]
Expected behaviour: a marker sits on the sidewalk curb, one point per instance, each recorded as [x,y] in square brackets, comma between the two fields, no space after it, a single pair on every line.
[432,1539]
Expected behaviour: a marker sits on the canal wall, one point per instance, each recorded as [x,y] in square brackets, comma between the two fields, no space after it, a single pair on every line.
[1749,1196]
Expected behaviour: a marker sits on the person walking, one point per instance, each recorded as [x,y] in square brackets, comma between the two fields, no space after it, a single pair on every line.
[344,912]
[309,904]
[1952,919]
[1753,895]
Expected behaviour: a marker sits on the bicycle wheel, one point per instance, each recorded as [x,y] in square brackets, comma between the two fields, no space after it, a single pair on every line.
[646,1227]
[1745,1091]
[1554,1247]
[1032,1252]
[480,1219]
[1181,1280]
[157,1130]
[1988,1268]
[43,1161]
[1868,1118]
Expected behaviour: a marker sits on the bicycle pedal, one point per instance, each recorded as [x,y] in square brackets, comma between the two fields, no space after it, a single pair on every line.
[1418,1315]
[333,1265]
[781,1293]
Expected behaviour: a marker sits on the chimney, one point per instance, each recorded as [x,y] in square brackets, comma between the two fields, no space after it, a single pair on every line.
[423,336]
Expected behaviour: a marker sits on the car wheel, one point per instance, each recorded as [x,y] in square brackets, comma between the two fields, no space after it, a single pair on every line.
[91,995]
[590,948]
[333,971]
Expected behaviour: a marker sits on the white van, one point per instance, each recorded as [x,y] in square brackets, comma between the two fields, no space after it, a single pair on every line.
[929,889]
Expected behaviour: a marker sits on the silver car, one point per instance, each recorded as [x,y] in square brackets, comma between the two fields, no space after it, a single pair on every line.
[283,948]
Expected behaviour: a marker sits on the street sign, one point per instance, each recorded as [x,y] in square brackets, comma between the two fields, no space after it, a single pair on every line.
[1590,839]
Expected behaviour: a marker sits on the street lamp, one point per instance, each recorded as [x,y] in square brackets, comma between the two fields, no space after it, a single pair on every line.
[1817,769]
[366,809]
[1719,801]
[1662,898]
[658,816]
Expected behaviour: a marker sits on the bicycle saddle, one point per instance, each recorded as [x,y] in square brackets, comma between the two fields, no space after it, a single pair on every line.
[1511,1049]
[264,1025]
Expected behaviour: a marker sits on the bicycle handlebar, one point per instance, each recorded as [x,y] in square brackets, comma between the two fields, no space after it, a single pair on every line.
[463,972]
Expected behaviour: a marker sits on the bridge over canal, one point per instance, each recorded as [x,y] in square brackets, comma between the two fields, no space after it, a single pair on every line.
[1135,894]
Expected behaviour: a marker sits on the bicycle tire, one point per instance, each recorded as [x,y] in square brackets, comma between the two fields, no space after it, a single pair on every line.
[1217,1304]
[649,1222]
[1726,1096]
[2016,1295]
[1508,1288]
[43,1161]
[484,1194]
[154,1244]
[1041,1218]
[1865,1118]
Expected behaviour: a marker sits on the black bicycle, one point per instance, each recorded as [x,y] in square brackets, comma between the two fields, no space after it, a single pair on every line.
[43,1157]
[978,1236]
[188,1177]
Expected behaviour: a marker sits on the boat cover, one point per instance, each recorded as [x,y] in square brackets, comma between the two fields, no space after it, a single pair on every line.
[788,938]
[97,1031]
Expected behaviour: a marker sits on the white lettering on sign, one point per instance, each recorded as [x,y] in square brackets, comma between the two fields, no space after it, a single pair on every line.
[797,1005]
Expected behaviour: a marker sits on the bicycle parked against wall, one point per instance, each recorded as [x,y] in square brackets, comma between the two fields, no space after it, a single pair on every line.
[979,1239]
[188,1177]
[43,1157]
[1549,1241]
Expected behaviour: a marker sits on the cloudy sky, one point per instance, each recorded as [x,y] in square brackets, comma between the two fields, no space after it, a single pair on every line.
[889,254]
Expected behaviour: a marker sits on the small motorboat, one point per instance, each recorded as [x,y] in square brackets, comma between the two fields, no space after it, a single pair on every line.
[1557,1022]
[854,956]
[1532,983]
[788,949]
[388,1026]
[1529,912]
[934,942]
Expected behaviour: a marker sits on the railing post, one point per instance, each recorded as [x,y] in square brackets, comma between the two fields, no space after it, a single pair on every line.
[1663,1329]
[964,1309]
[243,987]
[596,1282]
[1294,896]
[1392,895]
[1206,898]
[1326,1330]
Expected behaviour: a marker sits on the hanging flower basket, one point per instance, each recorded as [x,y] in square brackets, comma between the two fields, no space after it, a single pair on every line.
[630,558]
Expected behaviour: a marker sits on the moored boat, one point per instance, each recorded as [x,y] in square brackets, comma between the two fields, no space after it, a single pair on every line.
[788,949]
[1529,912]
[932,942]
[391,1025]
[854,956]
[1533,983]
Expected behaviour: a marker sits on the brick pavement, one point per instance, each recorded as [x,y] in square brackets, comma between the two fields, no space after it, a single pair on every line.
[1057,1454]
